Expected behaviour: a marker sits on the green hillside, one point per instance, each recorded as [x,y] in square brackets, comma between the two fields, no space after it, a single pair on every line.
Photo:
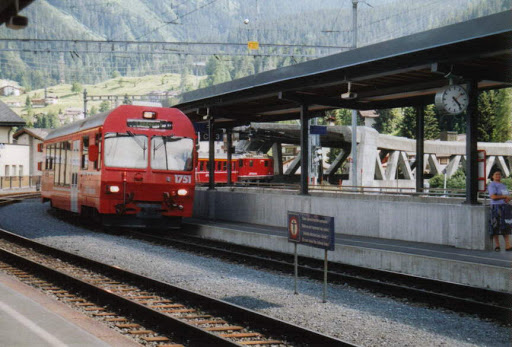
[120,86]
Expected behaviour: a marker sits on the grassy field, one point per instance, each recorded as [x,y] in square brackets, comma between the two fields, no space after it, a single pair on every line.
[118,86]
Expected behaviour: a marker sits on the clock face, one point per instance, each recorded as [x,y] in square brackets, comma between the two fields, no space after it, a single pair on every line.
[452,100]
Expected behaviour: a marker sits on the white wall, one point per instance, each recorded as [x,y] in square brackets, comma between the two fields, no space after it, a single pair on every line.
[14,155]
[5,134]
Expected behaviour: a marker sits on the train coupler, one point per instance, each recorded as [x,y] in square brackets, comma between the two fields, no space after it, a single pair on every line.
[121,208]
[169,202]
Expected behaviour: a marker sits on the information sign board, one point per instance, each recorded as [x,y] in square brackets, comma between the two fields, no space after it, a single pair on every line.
[311,229]
[318,130]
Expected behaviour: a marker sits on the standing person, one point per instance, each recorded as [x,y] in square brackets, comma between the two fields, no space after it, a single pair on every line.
[500,197]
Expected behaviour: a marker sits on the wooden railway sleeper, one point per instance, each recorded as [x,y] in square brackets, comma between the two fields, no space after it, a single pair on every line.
[83,304]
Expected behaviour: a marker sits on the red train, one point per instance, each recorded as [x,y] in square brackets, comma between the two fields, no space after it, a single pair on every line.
[132,166]
[244,168]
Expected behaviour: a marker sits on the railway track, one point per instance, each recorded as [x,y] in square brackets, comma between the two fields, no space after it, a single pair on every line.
[12,198]
[485,303]
[155,312]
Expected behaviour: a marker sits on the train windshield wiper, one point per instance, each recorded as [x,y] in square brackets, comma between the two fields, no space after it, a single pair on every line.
[141,144]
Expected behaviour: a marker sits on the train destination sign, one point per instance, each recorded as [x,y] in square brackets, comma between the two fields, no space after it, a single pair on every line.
[311,229]
[149,124]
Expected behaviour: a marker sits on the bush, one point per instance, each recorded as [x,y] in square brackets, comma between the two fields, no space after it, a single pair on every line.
[508,182]
[457,181]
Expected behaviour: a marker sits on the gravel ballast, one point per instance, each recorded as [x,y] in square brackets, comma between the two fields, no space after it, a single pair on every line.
[350,314]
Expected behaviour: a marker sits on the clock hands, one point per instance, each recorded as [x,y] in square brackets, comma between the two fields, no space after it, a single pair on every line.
[456,101]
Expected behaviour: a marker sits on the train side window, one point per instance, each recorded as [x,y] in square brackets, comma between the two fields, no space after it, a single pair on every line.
[56,178]
[85,152]
[218,166]
[240,163]
[224,166]
[266,163]
[54,156]
[207,165]
[49,154]
[251,163]
[67,167]
[97,142]
[47,157]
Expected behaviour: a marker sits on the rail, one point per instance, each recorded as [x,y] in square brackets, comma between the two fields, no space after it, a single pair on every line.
[164,308]
[426,192]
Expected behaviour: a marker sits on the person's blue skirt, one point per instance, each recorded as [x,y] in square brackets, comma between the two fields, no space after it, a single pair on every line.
[500,222]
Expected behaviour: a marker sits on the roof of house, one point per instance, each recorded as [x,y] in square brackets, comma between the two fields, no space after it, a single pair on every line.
[38,133]
[8,117]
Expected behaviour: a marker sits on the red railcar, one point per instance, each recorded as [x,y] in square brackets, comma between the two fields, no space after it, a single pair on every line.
[244,168]
[132,166]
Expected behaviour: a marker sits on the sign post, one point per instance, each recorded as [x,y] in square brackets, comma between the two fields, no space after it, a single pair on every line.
[294,236]
[482,170]
[312,230]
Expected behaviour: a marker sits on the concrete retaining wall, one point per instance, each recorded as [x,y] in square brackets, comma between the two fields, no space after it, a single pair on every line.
[435,220]
[441,269]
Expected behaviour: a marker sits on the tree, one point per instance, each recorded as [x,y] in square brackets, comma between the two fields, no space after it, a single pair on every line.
[104,106]
[344,117]
[385,123]
[431,125]
[185,81]
[28,102]
[503,129]
[76,87]
[408,125]
[93,110]
[126,100]
[486,116]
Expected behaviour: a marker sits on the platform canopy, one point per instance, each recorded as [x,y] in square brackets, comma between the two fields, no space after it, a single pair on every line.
[406,71]
[8,8]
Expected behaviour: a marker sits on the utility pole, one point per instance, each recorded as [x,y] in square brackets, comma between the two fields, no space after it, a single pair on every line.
[353,151]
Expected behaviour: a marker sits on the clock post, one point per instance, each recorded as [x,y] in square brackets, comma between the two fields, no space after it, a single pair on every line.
[471,144]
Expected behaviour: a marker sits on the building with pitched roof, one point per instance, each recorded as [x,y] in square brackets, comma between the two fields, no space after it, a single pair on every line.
[8,120]
[14,158]
[33,138]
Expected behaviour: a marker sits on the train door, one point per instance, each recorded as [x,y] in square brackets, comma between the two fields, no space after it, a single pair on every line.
[75,165]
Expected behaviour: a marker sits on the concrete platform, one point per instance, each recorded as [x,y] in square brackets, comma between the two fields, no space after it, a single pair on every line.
[482,269]
[29,317]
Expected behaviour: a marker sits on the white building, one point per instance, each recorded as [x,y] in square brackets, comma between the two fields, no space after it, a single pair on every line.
[33,137]
[14,159]
[10,90]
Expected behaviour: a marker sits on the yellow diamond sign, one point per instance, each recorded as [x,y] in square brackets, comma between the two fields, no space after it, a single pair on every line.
[253,45]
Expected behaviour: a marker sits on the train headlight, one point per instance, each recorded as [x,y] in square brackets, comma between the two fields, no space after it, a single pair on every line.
[149,115]
[182,192]
[113,189]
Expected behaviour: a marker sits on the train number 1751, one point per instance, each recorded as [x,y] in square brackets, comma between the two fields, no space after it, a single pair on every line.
[182,179]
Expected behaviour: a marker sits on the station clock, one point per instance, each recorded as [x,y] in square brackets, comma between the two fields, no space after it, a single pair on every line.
[452,99]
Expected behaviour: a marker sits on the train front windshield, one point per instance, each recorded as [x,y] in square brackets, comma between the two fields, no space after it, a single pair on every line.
[172,153]
[127,150]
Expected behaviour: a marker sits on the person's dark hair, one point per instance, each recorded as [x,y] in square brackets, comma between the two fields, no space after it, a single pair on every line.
[494,171]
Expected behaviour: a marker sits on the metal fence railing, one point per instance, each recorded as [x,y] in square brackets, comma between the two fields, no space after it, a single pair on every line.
[431,192]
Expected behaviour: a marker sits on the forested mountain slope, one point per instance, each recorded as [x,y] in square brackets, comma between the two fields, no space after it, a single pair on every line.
[297,22]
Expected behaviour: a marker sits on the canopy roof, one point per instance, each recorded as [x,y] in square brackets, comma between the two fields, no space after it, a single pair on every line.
[402,72]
